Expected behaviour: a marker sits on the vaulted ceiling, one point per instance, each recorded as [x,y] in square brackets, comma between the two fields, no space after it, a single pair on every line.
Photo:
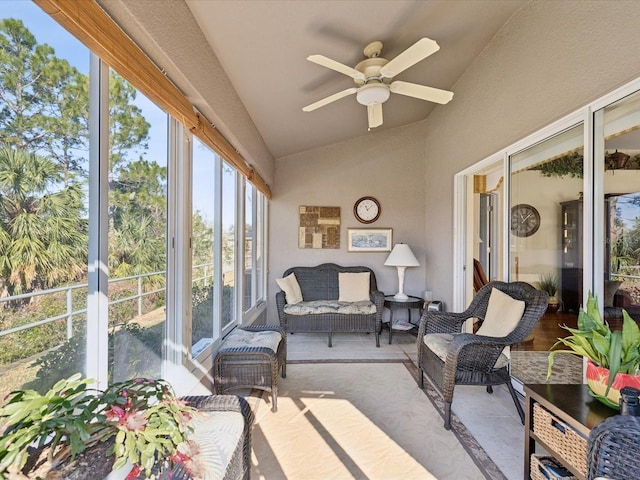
[263,45]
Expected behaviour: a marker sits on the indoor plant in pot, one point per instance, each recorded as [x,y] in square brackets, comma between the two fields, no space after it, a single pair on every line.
[549,283]
[138,421]
[613,357]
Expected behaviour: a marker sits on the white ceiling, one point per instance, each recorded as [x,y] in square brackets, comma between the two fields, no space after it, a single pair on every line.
[263,45]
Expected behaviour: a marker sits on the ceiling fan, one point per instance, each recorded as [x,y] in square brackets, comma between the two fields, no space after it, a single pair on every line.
[373,77]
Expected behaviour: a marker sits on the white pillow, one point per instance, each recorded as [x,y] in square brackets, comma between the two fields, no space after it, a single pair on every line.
[503,315]
[353,287]
[291,288]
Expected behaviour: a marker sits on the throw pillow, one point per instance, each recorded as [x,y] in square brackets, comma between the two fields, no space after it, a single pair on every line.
[289,285]
[503,315]
[610,289]
[353,287]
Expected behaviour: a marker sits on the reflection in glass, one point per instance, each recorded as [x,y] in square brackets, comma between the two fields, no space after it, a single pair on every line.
[249,208]
[202,250]
[622,209]
[546,213]
[228,244]
[545,245]
[137,232]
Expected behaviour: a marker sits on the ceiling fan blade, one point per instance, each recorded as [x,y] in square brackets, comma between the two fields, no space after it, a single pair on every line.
[374,112]
[422,92]
[337,66]
[412,55]
[329,99]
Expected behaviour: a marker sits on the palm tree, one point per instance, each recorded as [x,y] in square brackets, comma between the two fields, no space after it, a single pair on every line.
[43,229]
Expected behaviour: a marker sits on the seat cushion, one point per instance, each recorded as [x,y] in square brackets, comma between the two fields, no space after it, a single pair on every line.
[240,338]
[353,287]
[215,437]
[330,306]
[291,288]
[438,343]
[503,315]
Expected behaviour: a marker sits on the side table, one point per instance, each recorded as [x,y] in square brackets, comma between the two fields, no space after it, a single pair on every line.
[394,304]
[573,413]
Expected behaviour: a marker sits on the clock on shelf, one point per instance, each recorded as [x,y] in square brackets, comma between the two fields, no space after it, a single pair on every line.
[367,209]
[525,220]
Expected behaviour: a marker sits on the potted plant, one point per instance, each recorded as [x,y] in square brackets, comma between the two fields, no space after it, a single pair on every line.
[549,283]
[613,357]
[139,421]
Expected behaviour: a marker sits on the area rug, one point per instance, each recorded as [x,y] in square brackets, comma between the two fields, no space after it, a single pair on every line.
[360,421]
[531,367]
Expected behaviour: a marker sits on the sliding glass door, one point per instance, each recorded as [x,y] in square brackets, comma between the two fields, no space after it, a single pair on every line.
[617,153]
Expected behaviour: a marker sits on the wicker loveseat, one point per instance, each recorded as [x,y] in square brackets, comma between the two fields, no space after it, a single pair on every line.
[320,311]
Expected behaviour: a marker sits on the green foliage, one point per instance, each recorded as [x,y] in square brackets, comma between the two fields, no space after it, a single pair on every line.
[567,165]
[144,417]
[45,99]
[617,351]
[57,417]
[133,352]
[43,234]
[548,283]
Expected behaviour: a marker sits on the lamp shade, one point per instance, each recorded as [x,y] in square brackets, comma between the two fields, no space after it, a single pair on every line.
[401,256]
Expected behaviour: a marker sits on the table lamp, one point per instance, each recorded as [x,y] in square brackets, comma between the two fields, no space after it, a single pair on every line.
[401,257]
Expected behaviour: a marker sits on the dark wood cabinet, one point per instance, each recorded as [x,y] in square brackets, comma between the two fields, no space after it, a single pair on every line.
[571,241]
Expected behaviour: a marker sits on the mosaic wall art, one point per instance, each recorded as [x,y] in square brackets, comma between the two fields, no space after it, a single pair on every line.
[319,227]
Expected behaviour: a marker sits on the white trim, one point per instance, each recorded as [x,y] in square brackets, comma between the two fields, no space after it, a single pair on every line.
[97,346]
[590,117]
[178,300]
[459,247]
[593,188]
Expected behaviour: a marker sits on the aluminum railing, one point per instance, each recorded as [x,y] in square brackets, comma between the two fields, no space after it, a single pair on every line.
[70,313]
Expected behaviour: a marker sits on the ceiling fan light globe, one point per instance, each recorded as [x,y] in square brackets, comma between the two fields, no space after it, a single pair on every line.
[372,94]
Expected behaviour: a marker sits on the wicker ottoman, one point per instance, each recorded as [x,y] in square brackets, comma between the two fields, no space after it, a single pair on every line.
[251,357]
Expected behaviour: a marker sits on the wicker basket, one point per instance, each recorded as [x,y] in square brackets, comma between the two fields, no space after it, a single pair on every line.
[561,438]
[539,465]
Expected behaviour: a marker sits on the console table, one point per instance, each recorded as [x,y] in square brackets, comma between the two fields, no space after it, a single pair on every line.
[571,405]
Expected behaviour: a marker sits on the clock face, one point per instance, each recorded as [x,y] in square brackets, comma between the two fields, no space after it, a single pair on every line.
[525,220]
[367,209]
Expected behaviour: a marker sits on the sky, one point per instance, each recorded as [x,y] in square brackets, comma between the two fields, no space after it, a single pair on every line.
[65,45]
[47,30]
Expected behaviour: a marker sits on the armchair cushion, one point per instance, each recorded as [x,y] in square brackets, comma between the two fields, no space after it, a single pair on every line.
[353,287]
[216,435]
[503,315]
[439,343]
[291,288]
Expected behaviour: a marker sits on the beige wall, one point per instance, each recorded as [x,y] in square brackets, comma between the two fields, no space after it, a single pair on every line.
[387,166]
[550,59]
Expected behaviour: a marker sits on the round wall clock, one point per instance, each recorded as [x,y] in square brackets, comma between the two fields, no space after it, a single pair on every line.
[367,209]
[525,220]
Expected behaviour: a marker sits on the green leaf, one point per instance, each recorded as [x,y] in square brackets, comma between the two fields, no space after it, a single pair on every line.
[614,357]
[630,333]
[600,344]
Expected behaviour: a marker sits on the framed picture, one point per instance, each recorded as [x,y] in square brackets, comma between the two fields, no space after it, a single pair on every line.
[370,239]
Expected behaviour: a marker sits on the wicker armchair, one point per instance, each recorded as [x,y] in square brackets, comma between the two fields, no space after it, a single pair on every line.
[614,449]
[471,359]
